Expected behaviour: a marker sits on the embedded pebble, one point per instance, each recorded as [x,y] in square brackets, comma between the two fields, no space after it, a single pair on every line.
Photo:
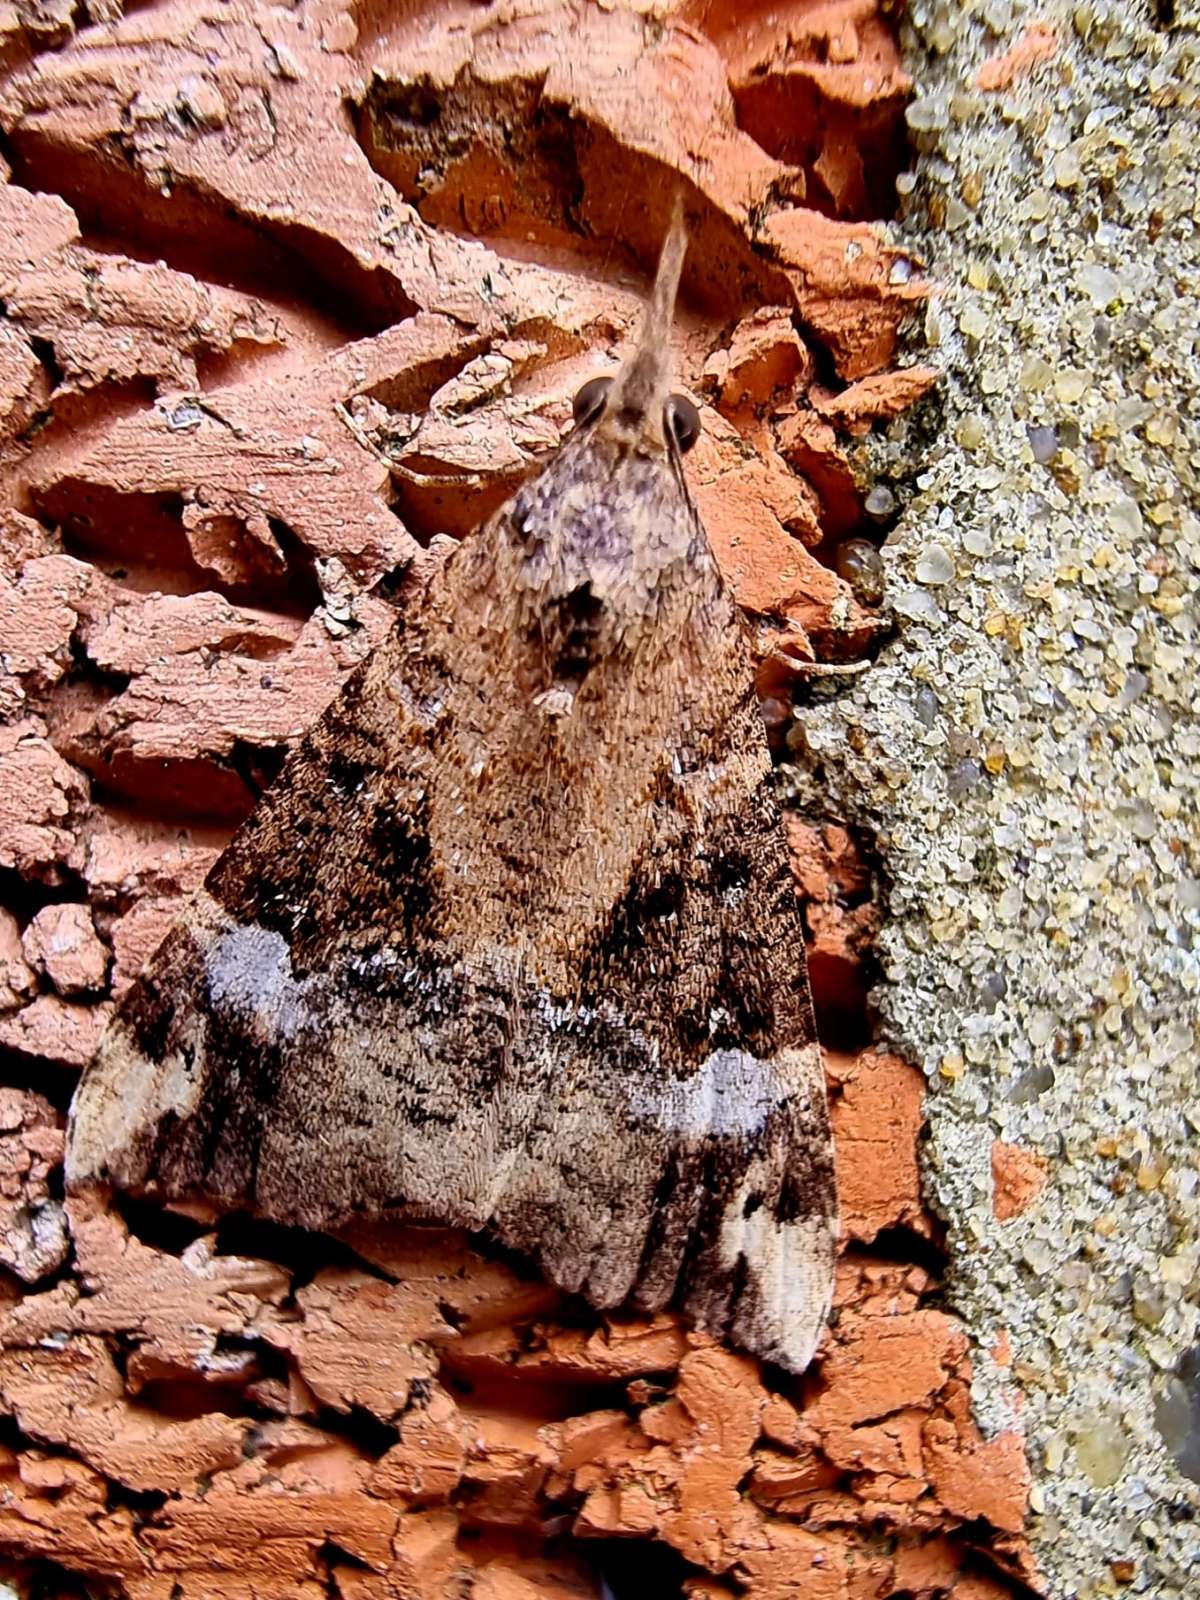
[935,565]
[859,563]
[1102,1448]
[1177,1414]
[1101,285]
[1043,441]
[963,778]
[917,605]
[880,504]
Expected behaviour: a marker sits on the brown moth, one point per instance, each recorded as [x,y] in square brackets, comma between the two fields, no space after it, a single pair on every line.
[511,944]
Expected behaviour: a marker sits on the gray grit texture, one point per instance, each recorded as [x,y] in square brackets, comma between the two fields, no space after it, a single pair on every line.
[1025,751]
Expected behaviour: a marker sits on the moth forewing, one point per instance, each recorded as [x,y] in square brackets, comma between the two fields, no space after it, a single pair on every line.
[512,942]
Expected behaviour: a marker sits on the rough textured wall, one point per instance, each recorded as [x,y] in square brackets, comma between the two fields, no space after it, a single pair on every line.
[290,295]
[1025,752]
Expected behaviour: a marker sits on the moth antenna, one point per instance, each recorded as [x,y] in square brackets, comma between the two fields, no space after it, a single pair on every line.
[635,406]
[660,313]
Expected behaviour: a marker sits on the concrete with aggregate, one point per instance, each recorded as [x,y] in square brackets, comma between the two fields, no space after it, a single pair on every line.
[1025,749]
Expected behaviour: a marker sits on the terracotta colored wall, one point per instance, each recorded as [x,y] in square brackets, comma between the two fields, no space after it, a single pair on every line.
[255,360]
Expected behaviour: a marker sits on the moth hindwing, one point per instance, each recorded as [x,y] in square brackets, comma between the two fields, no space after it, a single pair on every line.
[512,942]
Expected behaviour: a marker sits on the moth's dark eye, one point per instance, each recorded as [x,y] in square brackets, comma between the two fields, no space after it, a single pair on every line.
[683,422]
[589,402]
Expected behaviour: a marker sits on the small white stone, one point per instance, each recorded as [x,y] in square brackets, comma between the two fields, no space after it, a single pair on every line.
[935,565]
[917,606]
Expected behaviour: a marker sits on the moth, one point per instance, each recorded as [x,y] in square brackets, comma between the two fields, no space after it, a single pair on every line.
[511,944]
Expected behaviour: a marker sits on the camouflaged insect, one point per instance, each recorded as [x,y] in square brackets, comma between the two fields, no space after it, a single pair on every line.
[512,942]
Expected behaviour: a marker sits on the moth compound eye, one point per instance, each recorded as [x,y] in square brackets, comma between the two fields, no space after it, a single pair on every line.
[590,401]
[683,422]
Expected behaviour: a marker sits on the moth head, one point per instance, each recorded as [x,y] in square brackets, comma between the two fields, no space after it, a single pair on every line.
[635,409]
[680,418]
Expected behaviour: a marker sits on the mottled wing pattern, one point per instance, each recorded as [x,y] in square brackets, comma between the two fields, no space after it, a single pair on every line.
[511,943]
